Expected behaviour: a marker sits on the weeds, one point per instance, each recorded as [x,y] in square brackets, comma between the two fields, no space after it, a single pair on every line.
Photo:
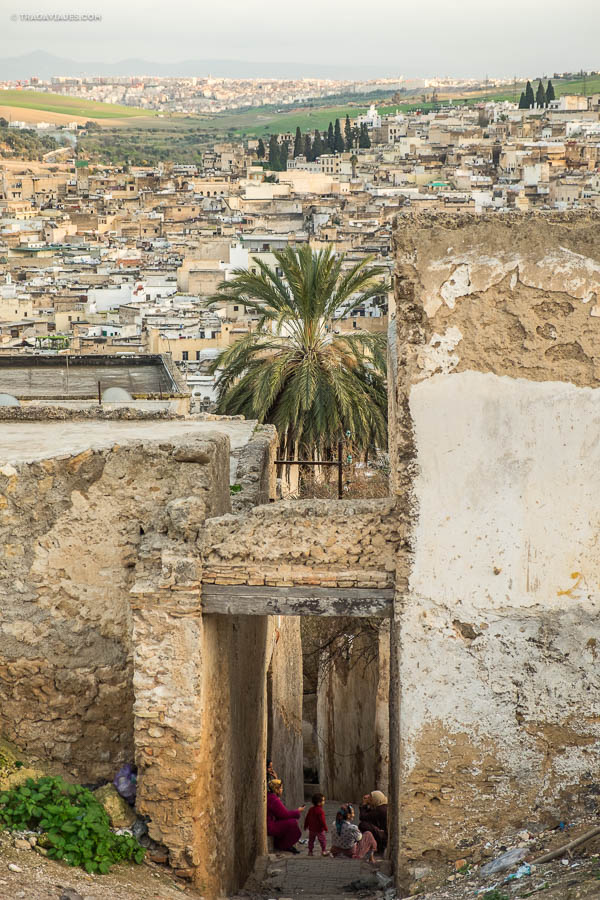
[75,826]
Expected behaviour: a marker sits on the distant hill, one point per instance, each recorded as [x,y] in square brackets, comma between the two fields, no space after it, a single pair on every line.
[45,65]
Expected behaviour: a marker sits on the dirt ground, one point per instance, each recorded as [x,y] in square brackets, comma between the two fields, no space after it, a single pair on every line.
[576,878]
[45,879]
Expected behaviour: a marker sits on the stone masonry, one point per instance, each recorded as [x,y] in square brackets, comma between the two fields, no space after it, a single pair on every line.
[311,542]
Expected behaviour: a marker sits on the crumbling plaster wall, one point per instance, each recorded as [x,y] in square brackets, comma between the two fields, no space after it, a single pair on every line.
[496,456]
[353,717]
[285,698]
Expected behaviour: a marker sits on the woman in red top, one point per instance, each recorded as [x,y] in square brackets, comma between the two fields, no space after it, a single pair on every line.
[281,822]
[316,825]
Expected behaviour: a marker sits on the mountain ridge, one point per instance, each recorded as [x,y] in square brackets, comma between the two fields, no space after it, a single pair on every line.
[42,64]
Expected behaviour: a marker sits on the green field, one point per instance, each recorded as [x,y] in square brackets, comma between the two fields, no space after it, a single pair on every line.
[69,106]
[265,121]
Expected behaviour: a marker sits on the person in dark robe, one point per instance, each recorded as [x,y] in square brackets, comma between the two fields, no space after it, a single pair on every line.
[282,823]
[373,818]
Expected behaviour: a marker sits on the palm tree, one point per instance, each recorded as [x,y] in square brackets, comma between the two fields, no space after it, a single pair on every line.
[296,371]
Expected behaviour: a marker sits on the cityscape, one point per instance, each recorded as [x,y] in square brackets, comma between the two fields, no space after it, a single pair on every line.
[299,455]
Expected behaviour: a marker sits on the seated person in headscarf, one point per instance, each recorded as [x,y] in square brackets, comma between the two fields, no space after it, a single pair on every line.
[282,823]
[271,773]
[373,818]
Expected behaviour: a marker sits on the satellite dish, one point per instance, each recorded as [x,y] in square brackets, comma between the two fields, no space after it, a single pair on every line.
[116,395]
[8,400]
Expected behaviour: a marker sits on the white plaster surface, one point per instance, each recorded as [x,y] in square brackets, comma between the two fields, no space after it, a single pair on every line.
[437,355]
[456,275]
[509,478]
[507,541]
[25,442]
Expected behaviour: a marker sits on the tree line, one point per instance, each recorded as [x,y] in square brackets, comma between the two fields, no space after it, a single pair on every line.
[25,142]
[312,146]
[541,98]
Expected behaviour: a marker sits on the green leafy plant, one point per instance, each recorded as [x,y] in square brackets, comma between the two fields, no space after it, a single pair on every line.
[235,488]
[495,895]
[76,827]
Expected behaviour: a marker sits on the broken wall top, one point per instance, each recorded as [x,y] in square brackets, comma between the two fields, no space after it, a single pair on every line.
[514,294]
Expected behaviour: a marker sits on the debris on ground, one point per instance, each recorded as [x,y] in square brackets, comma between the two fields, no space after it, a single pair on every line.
[504,862]
[561,862]
[125,782]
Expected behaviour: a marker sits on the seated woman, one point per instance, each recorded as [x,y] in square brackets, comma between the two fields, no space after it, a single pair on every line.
[373,818]
[282,822]
[348,840]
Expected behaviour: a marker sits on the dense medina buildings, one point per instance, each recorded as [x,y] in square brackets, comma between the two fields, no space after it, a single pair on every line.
[111,261]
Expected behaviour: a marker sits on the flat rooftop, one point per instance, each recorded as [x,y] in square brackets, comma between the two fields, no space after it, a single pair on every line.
[77,377]
[26,442]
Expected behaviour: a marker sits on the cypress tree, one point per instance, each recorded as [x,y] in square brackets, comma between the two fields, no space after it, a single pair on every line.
[338,140]
[540,95]
[308,150]
[298,142]
[284,152]
[319,147]
[274,157]
[330,140]
[348,133]
[550,95]
[529,98]
[260,150]
[364,140]
[522,101]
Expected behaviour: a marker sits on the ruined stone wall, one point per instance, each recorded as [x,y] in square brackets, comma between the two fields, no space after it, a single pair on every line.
[105,654]
[231,790]
[313,542]
[255,471]
[200,700]
[70,531]
[496,459]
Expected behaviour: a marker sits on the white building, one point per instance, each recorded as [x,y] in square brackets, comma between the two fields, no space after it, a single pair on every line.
[371,118]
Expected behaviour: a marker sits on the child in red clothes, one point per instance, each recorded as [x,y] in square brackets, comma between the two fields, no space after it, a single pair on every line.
[316,825]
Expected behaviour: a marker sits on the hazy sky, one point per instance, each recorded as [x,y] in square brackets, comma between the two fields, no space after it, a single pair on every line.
[423,37]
